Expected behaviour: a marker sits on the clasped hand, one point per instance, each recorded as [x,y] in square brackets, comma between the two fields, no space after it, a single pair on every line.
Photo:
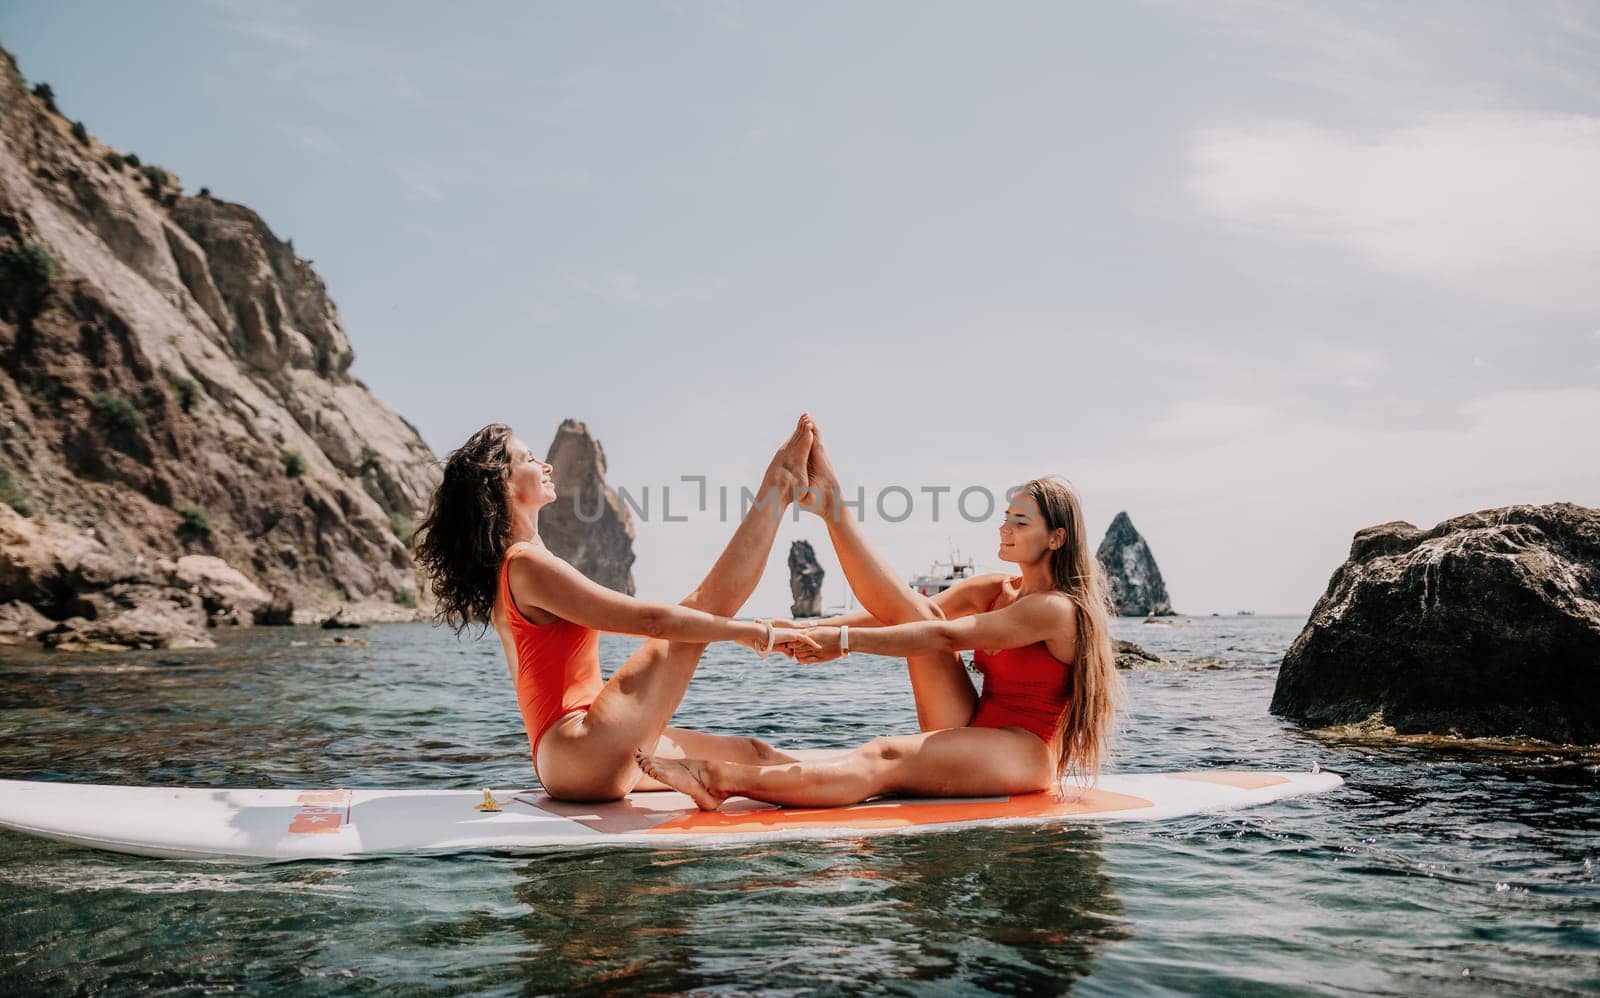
[821,644]
[788,641]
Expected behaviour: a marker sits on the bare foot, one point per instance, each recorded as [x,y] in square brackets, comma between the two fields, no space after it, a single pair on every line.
[683,775]
[823,494]
[787,472]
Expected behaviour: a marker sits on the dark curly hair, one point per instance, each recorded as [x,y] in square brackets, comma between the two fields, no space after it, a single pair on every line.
[463,538]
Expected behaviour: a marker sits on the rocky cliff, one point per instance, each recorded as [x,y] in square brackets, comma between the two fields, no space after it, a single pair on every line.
[1131,572]
[588,525]
[175,381]
[805,580]
[1487,624]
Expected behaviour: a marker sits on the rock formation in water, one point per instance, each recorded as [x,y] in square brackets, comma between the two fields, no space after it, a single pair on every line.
[805,581]
[174,382]
[1130,655]
[1488,624]
[588,525]
[1131,572]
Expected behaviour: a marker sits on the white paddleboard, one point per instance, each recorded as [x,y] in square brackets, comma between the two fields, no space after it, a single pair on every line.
[277,825]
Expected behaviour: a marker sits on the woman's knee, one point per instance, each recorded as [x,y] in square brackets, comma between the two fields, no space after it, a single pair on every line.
[763,754]
[882,752]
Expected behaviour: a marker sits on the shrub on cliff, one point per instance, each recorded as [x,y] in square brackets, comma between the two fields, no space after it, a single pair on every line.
[133,160]
[158,179]
[402,527]
[188,393]
[118,413]
[114,159]
[27,263]
[11,495]
[80,133]
[47,95]
[25,273]
[294,463]
[195,525]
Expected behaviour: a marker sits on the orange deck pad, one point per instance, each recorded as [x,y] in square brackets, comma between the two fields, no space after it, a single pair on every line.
[900,813]
[1244,781]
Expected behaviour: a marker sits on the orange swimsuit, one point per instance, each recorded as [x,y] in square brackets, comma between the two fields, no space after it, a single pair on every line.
[1024,687]
[558,666]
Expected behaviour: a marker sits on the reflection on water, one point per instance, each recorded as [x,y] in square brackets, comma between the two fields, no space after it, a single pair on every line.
[1449,869]
[966,906]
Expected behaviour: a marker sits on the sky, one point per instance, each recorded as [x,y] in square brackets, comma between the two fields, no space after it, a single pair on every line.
[1260,274]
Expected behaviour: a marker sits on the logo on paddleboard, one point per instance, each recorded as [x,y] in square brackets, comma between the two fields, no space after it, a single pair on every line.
[321,812]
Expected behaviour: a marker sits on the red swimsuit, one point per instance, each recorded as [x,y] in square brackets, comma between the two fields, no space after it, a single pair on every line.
[558,666]
[1024,687]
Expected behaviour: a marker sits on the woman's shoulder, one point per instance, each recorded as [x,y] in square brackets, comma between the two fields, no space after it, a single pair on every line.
[525,551]
[1058,600]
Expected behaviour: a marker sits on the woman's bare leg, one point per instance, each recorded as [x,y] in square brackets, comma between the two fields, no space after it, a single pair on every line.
[957,762]
[590,756]
[945,696]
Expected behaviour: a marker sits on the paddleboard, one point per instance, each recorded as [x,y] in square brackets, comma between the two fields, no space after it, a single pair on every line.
[286,824]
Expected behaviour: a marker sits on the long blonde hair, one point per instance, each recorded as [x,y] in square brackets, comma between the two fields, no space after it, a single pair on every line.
[1084,741]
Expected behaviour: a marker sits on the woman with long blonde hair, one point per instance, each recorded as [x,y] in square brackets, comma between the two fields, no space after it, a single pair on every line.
[1042,639]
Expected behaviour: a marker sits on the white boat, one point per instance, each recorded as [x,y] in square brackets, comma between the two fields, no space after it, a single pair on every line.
[944,574]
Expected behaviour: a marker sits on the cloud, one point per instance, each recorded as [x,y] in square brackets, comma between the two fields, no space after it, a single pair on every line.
[1263,512]
[1479,362]
[1496,204]
[287,36]
[417,184]
[625,288]
[313,140]
[1209,419]
[1536,438]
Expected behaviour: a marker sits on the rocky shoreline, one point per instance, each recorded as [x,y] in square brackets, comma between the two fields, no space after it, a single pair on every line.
[182,444]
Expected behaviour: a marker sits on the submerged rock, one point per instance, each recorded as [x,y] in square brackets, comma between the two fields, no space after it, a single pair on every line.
[1131,572]
[805,581]
[1130,655]
[1487,624]
[588,525]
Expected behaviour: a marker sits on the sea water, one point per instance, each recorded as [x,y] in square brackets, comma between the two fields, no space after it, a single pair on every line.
[1435,869]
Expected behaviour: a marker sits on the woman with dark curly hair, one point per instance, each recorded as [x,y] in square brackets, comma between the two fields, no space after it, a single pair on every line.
[479,543]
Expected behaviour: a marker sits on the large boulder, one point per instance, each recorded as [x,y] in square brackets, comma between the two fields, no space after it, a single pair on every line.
[45,563]
[20,622]
[805,580]
[588,525]
[227,593]
[1131,573]
[130,616]
[1487,624]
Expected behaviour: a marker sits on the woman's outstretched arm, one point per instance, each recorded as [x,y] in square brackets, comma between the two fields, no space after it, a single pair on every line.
[963,599]
[550,584]
[1033,618]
